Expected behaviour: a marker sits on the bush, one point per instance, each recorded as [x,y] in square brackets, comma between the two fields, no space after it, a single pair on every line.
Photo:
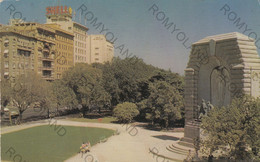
[235,127]
[125,112]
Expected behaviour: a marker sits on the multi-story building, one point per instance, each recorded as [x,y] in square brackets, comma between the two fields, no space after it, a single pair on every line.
[63,17]
[42,47]
[64,50]
[27,47]
[100,50]
[80,43]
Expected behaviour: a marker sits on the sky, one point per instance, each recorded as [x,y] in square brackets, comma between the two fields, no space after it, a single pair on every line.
[143,27]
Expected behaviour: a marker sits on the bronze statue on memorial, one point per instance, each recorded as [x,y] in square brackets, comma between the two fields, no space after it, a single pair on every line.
[204,109]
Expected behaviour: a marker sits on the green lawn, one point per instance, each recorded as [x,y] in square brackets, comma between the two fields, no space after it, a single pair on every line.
[43,144]
[100,120]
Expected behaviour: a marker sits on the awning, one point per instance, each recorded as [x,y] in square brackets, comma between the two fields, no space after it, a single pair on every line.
[6,41]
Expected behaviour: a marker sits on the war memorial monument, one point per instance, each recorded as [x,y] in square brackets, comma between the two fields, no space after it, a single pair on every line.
[220,68]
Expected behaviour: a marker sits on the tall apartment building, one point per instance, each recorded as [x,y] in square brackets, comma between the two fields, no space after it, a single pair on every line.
[27,47]
[100,50]
[63,16]
[64,49]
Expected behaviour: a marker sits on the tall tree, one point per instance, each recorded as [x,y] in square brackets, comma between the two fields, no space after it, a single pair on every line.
[127,77]
[63,95]
[164,103]
[86,81]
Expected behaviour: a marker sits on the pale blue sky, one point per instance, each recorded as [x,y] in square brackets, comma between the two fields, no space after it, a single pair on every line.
[142,34]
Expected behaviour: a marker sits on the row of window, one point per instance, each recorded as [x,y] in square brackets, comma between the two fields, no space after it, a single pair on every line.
[44,36]
[63,38]
[80,51]
[80,30]
[64,47]
[79,44]
[20,65]
[79,37]
[61,69]
[80,58]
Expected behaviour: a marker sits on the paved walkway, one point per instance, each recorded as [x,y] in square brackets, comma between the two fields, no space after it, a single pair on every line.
[131,145]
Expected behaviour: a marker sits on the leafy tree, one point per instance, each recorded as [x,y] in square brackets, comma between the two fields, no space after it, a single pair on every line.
[122,78]
[85,81]
[109,82]
[173,79]
[236,127]
[125,112]
[63,96]
[29,89]
[164,103]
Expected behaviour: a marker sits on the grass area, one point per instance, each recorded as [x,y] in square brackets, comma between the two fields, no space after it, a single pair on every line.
[100,120]
[43,143]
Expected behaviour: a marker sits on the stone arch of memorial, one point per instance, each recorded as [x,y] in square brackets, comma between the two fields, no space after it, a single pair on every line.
[220,68]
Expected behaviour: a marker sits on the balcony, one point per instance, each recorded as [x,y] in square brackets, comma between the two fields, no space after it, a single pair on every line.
[39,48]
[46,50]
[47,59]
[49,68]
[47,65]
[48,77]
[47,74]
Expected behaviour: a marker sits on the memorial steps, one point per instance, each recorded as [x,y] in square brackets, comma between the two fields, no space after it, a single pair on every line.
[174,152]
[176,149]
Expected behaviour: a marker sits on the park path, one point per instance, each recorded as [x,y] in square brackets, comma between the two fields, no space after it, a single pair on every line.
[131,145]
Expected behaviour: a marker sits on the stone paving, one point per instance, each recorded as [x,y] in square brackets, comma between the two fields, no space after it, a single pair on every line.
[131,145]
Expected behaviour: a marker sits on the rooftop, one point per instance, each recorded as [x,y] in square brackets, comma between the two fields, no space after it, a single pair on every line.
[234,35]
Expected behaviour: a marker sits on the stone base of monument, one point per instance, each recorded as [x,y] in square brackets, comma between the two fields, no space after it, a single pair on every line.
[191,132]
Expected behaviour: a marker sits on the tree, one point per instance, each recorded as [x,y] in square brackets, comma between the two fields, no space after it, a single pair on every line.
[172,79]
[236,126]
[29,89]
[85,81]
[109,82]
[122,79]
[164,103]
[63,95]
[125,112]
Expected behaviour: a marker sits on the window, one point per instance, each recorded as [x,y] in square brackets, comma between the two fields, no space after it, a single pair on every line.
[6,64]
[5,55]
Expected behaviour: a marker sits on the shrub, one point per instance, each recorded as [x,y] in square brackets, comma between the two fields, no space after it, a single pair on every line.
[125,112]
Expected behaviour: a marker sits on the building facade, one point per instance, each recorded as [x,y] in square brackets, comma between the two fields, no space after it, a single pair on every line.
[64,50]
[80,43]
[27,47]
[100,50]
[64,19]
[17,52]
